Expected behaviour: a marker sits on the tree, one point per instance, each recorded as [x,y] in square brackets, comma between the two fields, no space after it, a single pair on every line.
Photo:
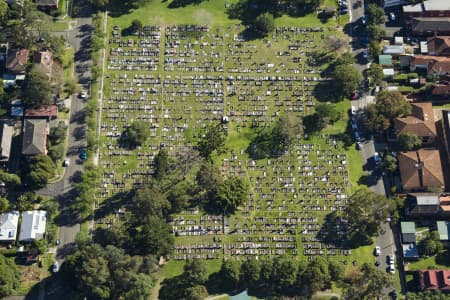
[250,272]
[56,152]
[335,43]
[135,135]
[346,79]
[373,281]
[317,275]
[375,32]
[161,164]
[327,113]
[264,24]
[209,177]
[336,270]
[284,273]
[195,272]
[374,49]
[346,58]
[232,193]
[392,104]
[366,212]
[375,122]
[389,163]
[10,279]
[287,130]
[40,169]
[197,292]
[149,202]
[375,72]
[375,15]
[99,3]
[409,141]
[213,139]
[36,90]
[179,196]
[3,9]
[58,133]
[9,179]
[431,244]
[4,205]
[154,237]
[113,235]
[230,272]
[136,26]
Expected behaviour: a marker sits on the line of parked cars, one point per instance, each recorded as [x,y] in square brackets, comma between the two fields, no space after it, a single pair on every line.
[343,7]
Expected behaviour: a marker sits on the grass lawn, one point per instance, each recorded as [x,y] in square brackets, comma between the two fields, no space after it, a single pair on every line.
[440,261]
[174,268]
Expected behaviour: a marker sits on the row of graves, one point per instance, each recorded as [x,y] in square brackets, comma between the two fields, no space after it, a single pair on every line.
[179,79]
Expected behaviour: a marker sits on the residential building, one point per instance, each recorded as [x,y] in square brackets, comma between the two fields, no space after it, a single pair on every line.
[430,26]
[8,226]
[421,170]
[420,122]
[444,200]
[422,204]
[16,61]
[49,112]
[47,4]
[394,50]
[33,225]
[434,280]
[5,144]
[429,8]
[439,45]
[433,65]
[443,228]
[408,234]
[34,138]
[440,90]
[43,60]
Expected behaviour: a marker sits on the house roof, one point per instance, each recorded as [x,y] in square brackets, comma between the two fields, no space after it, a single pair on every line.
[385,59]
[34,136]
[441,89]
[16,60]
[425,198]
[439,45]
[429,5]
[421,121]
[420,169]
[44,59]
[445,202]
[434,279]
[410,250]
[408,227]
[7,134]
[443,228]
[33,225]
[8,225]
[430,24]
[44,112]
[388,72]
[434,64]
[393,49]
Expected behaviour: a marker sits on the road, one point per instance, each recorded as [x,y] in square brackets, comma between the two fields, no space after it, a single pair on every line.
[385,240]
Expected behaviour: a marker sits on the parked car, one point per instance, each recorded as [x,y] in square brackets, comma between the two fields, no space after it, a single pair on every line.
[392,268]
[364,40]
[66,162]
[363,20]
[376,157]
[390,259]
[365,54]
[55,267]
[83,154]
[82,95]
[343,11]
[358,145]
[377,251]
[392,16]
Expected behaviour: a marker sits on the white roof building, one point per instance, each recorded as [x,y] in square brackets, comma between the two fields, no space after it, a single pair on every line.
[33,225]
[8,226]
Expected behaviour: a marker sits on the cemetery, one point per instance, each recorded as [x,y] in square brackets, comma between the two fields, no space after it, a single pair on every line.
[179,79]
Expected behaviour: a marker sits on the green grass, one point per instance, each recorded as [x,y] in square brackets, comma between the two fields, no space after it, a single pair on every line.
[440,261]
[175,267]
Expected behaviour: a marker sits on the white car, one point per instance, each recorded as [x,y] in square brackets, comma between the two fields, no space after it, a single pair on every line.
[392,16]
[376,157]
[83,95]
[377,250]
[66,162]
[392,268]
[391,259]
[55,267]
[365,54]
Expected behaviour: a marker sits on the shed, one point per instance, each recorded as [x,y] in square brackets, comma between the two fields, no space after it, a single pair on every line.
[393,49]
[385,59]
[443,228]
[424,47]
[408,230]
[388,72]
[398,40]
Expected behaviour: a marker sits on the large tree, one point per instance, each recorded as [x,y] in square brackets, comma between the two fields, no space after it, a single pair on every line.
[136,134]
[409,141]
[375,14]
[195,271]
[368,284]
[36,90]
[250,272]
[346,79]
[287,130]
[317,275]
[375,73]
[231,272]
[366,212]
[232,193]
[149,202]
[264,24]
[213,139]
[392,104]
[154,237]
[161,164]
[10,276]
[40,169]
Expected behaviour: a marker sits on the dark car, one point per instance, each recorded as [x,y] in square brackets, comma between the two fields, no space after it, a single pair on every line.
[364,40]
[83,155]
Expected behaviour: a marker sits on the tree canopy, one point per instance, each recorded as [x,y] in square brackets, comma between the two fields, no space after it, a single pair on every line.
[409,141]
[346,79]
[212,139]
[36,90]
[10,276]
[135,135]
[376,75]
[264,24]
[375,14]
[232,193]
[40,169]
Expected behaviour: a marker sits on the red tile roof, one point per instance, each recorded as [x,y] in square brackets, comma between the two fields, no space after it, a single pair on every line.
[16,60]
[421,121]
[439,45]
[45,111]
[435,64]
[434,279]
[441,89]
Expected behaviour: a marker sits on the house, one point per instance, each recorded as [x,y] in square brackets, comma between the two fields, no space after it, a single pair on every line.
[433,65]
[8,226]
[49,112]
[430,26]
[43,60]
[394,50]
[408,230]
[5,144]
[34,138]
[47,4]
[443,228]
[422,204]
[420,122]
[385,60]
[444,200]
[421,170]
[439,45]
[16,61]
[428,8]
[434,280]
[33,225]
[410,251]
[440,89]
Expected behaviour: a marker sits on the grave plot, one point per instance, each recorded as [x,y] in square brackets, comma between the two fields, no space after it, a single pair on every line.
[179,79]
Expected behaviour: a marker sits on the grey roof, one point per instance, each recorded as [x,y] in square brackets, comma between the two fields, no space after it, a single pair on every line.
[430,5]
[393,49]
[443,228]
[34,137]
[33,225]
[7,134]
[431,24]
[408,238]
[426,198]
